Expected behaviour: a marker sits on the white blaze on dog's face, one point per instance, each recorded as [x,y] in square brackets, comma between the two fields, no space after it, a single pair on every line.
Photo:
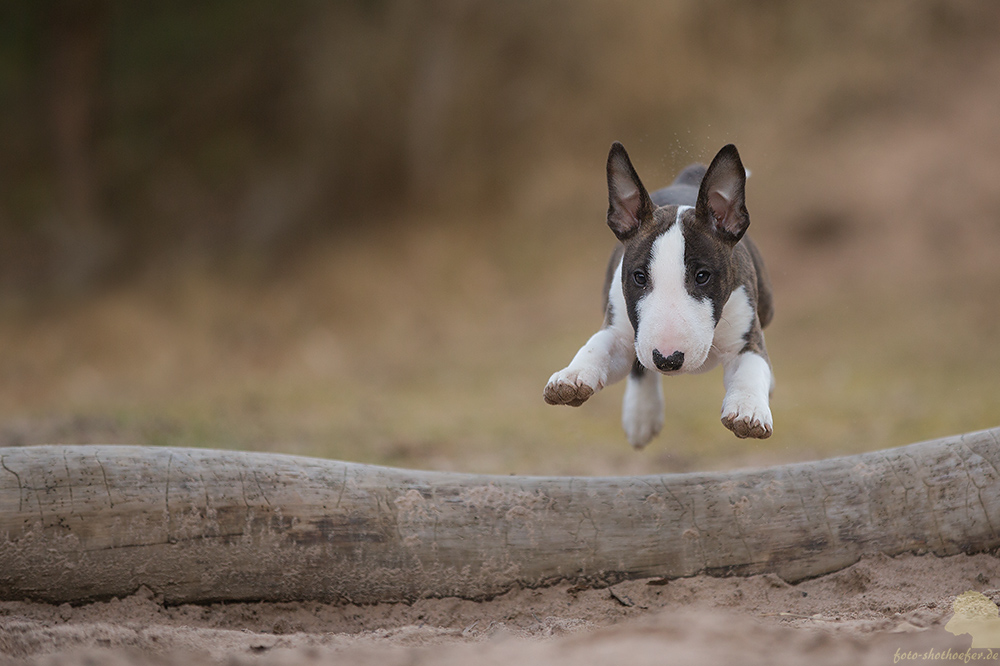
[673,328]
[677,269]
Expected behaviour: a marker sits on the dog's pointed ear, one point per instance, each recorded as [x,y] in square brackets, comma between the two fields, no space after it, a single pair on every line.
[629,204]
[722,198]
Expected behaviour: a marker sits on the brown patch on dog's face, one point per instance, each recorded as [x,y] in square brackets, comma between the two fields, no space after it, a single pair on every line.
[708,263]
[636,258]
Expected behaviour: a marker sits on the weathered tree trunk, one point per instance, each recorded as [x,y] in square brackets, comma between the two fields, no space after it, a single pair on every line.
[85,522]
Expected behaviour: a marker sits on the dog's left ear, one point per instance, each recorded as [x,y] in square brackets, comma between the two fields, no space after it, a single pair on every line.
[721,198]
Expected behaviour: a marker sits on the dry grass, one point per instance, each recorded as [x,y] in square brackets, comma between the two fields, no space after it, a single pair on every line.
[426,342]
[429,348]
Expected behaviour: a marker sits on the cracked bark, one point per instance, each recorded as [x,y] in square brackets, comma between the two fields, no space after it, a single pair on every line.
[122,517]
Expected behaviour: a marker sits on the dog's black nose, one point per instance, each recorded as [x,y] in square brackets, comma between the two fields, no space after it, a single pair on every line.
[668,363]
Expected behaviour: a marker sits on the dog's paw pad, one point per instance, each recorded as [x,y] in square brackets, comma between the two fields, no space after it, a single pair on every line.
[565,388]
[747,426]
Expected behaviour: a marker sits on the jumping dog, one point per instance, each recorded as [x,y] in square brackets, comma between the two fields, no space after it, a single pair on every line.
[685,290]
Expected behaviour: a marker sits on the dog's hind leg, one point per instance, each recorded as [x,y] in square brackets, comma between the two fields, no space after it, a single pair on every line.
[642,406]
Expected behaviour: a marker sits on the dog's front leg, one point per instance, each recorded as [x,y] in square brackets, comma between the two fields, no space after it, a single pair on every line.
[605,359]
[745,409]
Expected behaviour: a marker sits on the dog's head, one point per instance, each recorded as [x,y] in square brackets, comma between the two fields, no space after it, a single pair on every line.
[677,268]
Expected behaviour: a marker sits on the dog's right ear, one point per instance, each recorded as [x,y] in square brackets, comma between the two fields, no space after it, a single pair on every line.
[629,204]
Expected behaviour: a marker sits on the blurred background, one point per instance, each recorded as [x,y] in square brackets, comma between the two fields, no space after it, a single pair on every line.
[371,229]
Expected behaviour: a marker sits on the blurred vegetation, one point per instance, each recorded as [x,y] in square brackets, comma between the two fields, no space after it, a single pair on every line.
[137,134]
[371,229]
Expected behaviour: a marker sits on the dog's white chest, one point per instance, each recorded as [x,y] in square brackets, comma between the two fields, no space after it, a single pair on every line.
[730,333]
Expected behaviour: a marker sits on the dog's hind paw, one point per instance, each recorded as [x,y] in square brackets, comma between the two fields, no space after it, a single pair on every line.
[570,387]
[641,433]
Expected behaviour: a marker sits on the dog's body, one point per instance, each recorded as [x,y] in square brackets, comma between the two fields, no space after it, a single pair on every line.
[685,291]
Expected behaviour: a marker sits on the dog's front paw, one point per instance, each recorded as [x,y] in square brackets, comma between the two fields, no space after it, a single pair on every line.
[747,419]
[571,387]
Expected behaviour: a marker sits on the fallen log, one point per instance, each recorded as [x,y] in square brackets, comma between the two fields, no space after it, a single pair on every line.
[87,522]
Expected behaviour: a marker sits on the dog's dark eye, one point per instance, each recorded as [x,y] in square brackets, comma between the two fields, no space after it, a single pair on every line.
[639,277]
[702,277]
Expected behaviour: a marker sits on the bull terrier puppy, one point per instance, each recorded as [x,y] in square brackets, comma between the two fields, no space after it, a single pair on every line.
[685,290]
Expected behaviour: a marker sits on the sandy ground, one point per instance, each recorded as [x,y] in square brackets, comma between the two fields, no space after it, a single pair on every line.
[879,611]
